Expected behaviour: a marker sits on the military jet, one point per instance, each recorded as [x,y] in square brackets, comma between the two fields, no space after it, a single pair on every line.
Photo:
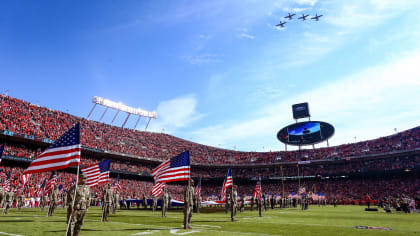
[316,17]
[281,24]
[303,17]
[290,16]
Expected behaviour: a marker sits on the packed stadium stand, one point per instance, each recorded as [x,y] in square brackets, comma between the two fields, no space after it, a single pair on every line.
[386,166]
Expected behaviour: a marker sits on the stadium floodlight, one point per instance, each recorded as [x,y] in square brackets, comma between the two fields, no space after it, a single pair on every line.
[123,108]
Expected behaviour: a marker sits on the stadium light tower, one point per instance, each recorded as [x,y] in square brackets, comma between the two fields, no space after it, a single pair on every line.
[123,108]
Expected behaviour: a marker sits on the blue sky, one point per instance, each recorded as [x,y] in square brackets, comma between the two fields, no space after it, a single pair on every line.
[219,72]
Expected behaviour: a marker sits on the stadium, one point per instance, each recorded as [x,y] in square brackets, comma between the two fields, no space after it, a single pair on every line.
[210,161]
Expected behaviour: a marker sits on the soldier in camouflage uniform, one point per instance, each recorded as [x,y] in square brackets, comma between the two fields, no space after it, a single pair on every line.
[233,202]
[242,203]
[260,204]
[21,201]
[154,198]
[144,201]
[165,202]
[81,205]
[44,202]
[107,201]
[64,199]
[188,204]
[1,196]
[53,200]
[8,200]
[115,200]
[198,204]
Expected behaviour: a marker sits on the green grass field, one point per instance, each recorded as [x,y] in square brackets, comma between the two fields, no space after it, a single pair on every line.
[315,221]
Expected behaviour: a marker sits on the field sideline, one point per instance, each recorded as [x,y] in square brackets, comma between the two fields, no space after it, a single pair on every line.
[315,221]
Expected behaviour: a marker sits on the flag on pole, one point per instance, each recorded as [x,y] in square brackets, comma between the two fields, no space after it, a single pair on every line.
[257,191]
[228,182]
[117,185]
[223,193]
[175,169]
[51,182]
[1,151]
[97,173]
[64,152]
[198,189]
[6,185]
[40,190]
[302,190]
[157,189]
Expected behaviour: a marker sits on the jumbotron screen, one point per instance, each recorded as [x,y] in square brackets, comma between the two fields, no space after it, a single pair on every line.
[306,133]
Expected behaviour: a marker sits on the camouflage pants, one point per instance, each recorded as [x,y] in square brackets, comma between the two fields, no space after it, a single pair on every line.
[164,209]
[76,222]
[6,207]
[233,211]
[20,205]
[187,216]
[105,210]
[51,208]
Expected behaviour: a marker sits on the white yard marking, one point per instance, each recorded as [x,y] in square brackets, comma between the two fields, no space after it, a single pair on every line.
[3,233]
[145,232]
[174,231]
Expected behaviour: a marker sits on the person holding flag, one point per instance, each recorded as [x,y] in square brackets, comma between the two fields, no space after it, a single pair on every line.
[8,200]
[107,201]
[178,169]
[257,195]
[165,201]
[54,197]
[198,196]
[233,202]
[81,199]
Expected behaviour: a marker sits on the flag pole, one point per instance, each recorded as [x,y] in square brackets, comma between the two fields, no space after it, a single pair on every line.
[74,198]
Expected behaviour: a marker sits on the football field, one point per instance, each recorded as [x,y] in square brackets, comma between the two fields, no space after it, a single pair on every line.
[315,221]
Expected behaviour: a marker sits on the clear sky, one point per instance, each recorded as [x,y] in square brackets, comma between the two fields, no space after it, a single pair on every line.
[219,72]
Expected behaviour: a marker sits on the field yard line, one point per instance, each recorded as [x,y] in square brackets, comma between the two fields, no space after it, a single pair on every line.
[3,233]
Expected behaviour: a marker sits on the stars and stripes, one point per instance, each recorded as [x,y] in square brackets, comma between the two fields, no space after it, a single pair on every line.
[175,169]
[198,189]
[157,189]
[51,182]
[228,182]
[6,185]
[302,190]
[223,192]
[117,185]
[1,151]
[64,152]
[97,173]
[40,190]
[257,190]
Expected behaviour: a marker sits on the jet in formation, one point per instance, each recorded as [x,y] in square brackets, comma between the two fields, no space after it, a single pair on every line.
[290,16]
[281,24]
[316,17]
[303,17]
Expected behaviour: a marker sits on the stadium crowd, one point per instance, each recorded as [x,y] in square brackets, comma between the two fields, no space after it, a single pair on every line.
[19,116]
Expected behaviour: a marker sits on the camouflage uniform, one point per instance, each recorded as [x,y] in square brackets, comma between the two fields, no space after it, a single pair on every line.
[233,203]
[107,201]
[154,203]
[115,200]
[53,201]
[188,204]
[242,204]
[21,201]
[44,201]
[8,201]
[144,201]
[198,204]
[260,205]
[1,196]
[81,205]
[165,202]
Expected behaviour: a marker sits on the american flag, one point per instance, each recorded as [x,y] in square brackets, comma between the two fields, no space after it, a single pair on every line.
[97,173]
[227,183]
[175,169]
[64,152]
[1,151]
[157,189]
[40,190]
[223,193]
[50,183]
[117,185]
[302,190]
[6,184]
[198,189]
[60,189]
[257,191]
